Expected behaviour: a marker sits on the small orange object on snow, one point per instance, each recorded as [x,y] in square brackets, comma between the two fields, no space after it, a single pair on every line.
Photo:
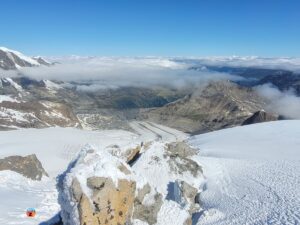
[31,212]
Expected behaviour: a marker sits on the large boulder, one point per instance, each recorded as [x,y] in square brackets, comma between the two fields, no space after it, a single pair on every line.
[178,156]
[130,155]
[29,166]
[109,204]
[100,187]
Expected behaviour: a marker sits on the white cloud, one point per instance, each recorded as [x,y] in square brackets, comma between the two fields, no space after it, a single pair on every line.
[103,72]
[285,103]
[285,63]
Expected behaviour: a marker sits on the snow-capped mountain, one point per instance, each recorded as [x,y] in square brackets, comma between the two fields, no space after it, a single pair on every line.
[11,60]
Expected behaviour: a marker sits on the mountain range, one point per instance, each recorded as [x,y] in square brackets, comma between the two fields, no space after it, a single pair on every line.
[28,102]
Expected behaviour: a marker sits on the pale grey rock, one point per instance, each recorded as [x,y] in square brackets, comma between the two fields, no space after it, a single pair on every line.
[29,166]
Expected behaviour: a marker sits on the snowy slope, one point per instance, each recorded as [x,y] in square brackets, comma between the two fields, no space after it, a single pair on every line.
[253,174]
[54,147]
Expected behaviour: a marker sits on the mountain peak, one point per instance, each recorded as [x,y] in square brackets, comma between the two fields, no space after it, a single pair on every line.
[12,60]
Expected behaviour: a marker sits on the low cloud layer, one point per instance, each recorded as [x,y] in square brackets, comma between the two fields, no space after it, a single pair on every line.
[283,63]
[285,103]
[102,72]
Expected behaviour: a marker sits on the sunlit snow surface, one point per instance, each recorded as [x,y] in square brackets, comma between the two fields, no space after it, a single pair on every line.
[253,174]
[54,147]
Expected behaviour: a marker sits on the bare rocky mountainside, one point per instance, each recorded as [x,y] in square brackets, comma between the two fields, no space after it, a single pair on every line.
[21,109]
[216,106]
[25,102]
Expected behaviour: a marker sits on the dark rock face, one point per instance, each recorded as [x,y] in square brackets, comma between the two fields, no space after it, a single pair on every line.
[29,166]
[259,117]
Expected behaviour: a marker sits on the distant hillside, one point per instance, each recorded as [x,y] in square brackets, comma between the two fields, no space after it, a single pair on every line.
[218,105]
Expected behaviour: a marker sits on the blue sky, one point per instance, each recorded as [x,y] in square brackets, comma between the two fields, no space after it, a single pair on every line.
[152,27]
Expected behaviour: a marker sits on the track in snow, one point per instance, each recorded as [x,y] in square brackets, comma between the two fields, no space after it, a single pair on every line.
[154,132]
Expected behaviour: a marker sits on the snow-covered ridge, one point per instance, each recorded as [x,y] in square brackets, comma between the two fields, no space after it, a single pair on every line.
[11,60]
[21,56]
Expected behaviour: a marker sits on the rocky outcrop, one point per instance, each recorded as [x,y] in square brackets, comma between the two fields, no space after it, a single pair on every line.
[147,212]
[171,172]
[186,195]
[109,204]
[181,149]
[178,155]
[103,195]
[99,187]
[29,166]
[132,155]
[260,117]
